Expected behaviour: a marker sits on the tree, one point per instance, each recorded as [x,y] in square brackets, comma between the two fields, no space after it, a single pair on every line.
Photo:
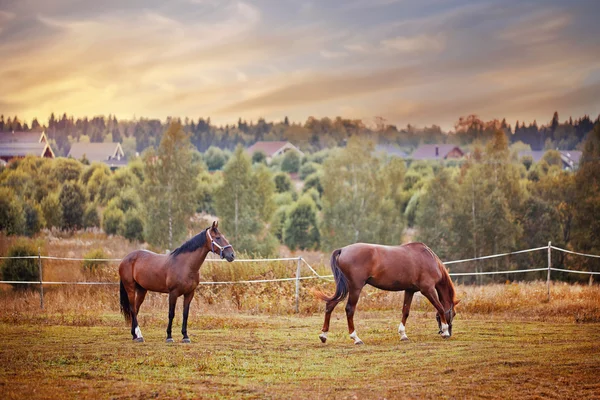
[239,202]
[66,169]
[52,211]
[113,219]
[133,226]
[259,157]
[12,220]
[21,269]
[215,158]
[301,228]
[72,204]
[291,162]
[169,187]
[283,182]
[33,218]
[586,222]
[91,219]
[436,212]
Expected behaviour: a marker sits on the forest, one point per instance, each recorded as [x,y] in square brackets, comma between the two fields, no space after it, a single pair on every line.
[341,191]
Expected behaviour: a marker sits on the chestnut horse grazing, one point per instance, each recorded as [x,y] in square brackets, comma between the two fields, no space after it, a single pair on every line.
[177,273]
[412,267]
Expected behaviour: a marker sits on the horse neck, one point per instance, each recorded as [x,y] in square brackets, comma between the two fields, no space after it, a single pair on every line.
[197,258]
[446,297]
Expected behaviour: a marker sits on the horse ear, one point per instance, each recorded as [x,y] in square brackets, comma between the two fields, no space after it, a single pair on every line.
[214,225]
[456,303]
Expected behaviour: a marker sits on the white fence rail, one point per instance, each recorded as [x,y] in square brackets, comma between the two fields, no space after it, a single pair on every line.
[299,262]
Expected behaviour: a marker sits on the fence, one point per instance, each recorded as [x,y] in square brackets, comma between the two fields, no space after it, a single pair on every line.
[301,261]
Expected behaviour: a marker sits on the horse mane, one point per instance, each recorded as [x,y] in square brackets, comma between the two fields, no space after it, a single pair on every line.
[445,276]
[191,245]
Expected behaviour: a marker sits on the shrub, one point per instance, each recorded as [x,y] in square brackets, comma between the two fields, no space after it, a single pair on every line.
[66,169]
[314,181]
[91,258]
[12,220]
[72,203]
[51,210]
[259,157]
[283,182]
[112,220]
[21,269]
[33,218]
[308,168]
[91,218]
[301,229]
[133,226]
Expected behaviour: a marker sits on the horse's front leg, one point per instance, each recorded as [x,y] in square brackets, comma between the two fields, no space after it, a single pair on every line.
[187,299]
[408,296]
[172,303]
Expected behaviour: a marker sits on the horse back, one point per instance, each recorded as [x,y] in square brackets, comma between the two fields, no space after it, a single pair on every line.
[407,267]
[145,268]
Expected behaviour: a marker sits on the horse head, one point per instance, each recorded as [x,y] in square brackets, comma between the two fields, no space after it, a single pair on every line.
[218,244]
[449,314]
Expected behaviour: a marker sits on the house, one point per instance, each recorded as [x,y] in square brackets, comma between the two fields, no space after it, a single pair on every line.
[273,149]
[23,137]
[11,150]
[21,144]
[437,152]
[570,158]
[110,154]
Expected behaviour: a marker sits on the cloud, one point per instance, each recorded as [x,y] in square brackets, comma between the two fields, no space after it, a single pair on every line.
[420,43]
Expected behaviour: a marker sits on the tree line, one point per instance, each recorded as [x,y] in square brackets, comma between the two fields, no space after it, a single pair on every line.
[492,202]
[314,134]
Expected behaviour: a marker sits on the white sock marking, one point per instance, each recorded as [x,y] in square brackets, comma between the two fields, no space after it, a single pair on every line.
[355,337]
[323,335]
[402,331]
[138,332]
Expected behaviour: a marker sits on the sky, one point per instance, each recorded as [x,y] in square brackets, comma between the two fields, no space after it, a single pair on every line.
[410,62]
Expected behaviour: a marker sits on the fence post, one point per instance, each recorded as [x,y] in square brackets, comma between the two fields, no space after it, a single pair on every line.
[298,285]
[549,266]
[41,280]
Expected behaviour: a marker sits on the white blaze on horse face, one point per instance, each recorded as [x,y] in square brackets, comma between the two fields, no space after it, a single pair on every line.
[354,336]
[138,332]
[402,331]
[445,332]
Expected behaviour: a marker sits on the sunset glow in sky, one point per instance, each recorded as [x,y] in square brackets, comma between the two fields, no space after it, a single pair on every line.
[419,62]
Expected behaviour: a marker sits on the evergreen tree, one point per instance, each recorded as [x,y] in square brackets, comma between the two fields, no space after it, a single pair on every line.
[301,230]
[72,203]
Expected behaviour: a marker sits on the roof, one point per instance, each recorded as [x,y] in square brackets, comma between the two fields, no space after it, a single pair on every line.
[22,137]
[434,151]
[570,158]
[16,149]
[96,151]
[271,148]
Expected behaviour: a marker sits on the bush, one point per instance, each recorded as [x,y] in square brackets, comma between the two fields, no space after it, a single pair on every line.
[283,182]
[12,220]
[113,220]
[72,203]
[133,227]
[33,219]
[91,262]
[52,211]
[259,157]
[308,168]
[301,229]
[278,222]
[91,218]
[313,181]
[66,169]
[215,158]
[21,269]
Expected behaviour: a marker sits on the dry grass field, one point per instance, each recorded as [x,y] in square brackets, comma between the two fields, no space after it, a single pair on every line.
[508,340]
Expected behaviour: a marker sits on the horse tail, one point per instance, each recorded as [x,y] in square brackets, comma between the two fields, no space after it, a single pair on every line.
[125,305]
[446,281]
[341,282]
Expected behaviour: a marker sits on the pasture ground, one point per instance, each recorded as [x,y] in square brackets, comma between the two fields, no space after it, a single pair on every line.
[73,355]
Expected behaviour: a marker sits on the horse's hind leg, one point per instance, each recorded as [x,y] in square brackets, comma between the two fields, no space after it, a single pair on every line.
[350,308]
[172,303]
[135,328]
[140,295]
[431,295]
[408,296]
[329,306]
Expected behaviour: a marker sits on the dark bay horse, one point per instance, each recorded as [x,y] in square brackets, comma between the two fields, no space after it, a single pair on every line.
[177,273]
[412,267]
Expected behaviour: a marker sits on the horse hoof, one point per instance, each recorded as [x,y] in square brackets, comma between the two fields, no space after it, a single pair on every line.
[404,338]
[186,340]
[170,340]
[358,343]
[323,338]
[139,340]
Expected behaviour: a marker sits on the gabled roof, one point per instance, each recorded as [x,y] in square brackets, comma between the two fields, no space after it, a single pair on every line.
[16,149]
[22,137]
[271,148]
[434,151]
[96,151]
